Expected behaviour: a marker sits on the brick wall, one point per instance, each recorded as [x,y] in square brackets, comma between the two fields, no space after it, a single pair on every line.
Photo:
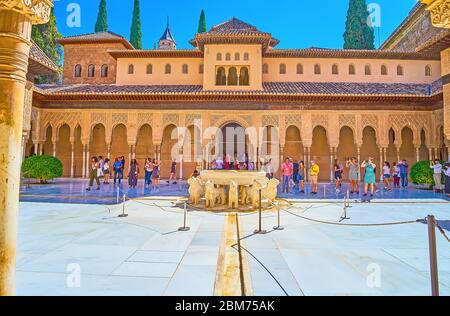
[85,55]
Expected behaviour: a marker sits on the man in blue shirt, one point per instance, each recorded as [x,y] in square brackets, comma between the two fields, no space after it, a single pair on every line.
[118,170]
[404,172]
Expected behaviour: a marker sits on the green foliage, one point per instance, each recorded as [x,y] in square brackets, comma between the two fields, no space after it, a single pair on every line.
[421,173]
[46,37]
[358,34]
[136,32]
[102,19]
[202,23]
[42,168]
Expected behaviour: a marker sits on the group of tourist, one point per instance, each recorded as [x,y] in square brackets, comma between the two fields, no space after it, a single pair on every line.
[226,163]
[101,168]
[293,175]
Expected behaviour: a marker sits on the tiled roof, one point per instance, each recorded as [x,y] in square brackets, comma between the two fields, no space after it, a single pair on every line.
[234,27]
[234,31]
[38,56]
[96,37]
[269,88]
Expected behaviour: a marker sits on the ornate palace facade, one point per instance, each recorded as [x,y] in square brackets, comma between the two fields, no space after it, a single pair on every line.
[310,103]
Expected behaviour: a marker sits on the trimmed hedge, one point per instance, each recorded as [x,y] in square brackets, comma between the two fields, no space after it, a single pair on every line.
[42,168]
[421,173]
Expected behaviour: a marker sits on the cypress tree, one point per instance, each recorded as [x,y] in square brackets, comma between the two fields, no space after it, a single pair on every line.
[202,23]
[102,19]
[358,32]
[136,32]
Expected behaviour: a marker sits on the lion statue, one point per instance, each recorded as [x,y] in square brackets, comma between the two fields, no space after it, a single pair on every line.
[211,194]
[244,197]
[268,191]
[233,196]
[222,199]
[195,189]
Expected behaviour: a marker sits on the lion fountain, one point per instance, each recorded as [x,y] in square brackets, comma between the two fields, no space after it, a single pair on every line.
[232,189]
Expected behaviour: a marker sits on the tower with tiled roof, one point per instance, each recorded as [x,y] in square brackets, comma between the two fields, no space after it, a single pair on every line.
[167,41]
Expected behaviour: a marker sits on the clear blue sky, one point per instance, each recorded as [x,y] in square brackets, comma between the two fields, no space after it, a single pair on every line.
[296,23]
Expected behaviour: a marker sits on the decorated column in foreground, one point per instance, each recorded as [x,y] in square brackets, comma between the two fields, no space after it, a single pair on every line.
[16,19]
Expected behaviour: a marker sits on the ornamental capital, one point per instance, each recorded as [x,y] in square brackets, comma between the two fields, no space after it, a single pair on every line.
[440,12]
[38,11]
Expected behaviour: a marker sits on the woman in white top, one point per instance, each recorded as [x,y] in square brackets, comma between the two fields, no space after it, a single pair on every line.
[387,175]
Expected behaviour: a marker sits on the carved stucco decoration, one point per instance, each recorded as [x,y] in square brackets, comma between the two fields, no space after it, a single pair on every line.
[119,118]
[57,119]
[27,109]
[440,12]
[369,120]
[97,118]
[271,120]
[192,119]
[38,11]
[293,119]
[319,120]
[171,118]
[145,118]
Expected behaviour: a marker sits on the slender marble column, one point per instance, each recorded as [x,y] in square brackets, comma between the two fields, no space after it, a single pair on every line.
[83,173]
[72,160]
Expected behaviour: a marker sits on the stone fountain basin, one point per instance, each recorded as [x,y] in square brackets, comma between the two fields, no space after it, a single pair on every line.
[224,177]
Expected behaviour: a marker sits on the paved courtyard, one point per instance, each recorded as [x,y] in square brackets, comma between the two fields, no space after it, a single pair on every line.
[85,249]
[74,191]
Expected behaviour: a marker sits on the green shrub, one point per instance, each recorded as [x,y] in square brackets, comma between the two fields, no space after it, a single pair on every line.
[421,173]
[42,168]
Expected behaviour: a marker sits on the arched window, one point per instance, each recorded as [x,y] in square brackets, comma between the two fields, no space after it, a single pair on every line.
[246,56]
[77,72]
[104,71]
[130,69]
[367,70]
[201,68]
[428,71]
[168,69]
[227,56]
[91,71]
[282,69]
[149,69]
[232,77]
[185,69]
[384,70]
[237,56]
[351,69]
[221,78]
[400,71]
[219,56]
[244,78]
[335,69]
[299,69]
[265,69]
[317,69]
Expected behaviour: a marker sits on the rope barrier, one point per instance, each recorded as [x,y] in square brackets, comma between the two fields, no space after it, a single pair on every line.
[441,230]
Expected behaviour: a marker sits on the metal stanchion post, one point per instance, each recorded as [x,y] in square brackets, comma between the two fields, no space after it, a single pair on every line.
[118,193]
[433,255]
[278,227]
[324,190]
[260,230]
[123,207]
[184,228]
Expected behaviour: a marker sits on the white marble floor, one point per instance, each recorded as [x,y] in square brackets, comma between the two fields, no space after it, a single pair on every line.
[87,250]
[67,249]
